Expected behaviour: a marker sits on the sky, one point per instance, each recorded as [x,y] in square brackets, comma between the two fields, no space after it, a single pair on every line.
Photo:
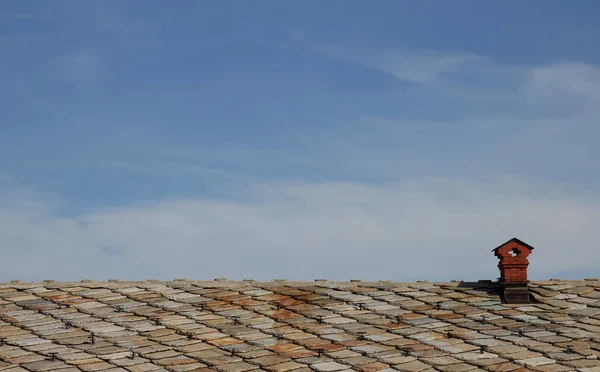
[340,139]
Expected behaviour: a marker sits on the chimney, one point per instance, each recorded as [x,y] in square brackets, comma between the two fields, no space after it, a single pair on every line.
[513,269]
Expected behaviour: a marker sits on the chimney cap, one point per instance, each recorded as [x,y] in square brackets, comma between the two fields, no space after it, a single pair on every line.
[513,240]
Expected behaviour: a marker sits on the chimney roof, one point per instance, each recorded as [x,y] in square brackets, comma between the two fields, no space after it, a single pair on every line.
[515,240]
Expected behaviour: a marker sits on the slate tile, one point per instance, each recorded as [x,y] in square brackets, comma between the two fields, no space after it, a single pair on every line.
[175,361]
[69,369]
[284,367]
[15,368]
[328,367]
[94,367]
[44,365]
[581,363]
[459,367]
[354,361]
[503,367]
[440,361]
[536,361]
[371,367]
[553,368]
[236,367]
[186,367]
[25,358]
[143,367]
[413,366]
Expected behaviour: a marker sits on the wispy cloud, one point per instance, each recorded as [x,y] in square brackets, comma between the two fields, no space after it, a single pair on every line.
[565,81]
[440,229]
[422,66]
[410,65]
[482,115]
[467,75]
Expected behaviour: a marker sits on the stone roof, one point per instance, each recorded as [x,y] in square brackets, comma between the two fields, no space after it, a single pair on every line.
[235,326]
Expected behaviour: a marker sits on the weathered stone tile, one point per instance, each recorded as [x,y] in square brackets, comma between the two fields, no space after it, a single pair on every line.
[440,361]
[459,348]
[70,369]
[507,349]
[553,368]
[45,365]
[460,367]
[236,367]
[186,367]
[34,357]
[581,363]
[369,349]
[175,361]
[413,366]
[524,355]
[354,361]
[536,361]
[270,360]
[161,354]
[470,356]
[94,367]
[400,359]
[370,367]
[15,368]
[284,367]
[328,367]
[143,367]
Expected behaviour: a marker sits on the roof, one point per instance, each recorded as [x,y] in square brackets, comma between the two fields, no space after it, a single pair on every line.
[236,326]
[518,241]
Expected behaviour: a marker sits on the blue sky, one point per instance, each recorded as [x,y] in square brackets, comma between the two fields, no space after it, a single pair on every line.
[341,139]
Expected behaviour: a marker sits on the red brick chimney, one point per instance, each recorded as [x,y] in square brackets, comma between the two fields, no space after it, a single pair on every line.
[513,261]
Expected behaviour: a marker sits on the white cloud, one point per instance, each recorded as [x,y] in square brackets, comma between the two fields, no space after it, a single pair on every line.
[462,75]
[565,81]
[421,66]
[432,230]
[478,78]
[415,66]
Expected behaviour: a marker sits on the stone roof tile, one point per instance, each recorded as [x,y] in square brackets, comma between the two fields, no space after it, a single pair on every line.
[282,326]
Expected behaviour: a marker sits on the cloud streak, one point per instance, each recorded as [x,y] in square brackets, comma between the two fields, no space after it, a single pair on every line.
[439,230]
[572,81]
[422,67]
